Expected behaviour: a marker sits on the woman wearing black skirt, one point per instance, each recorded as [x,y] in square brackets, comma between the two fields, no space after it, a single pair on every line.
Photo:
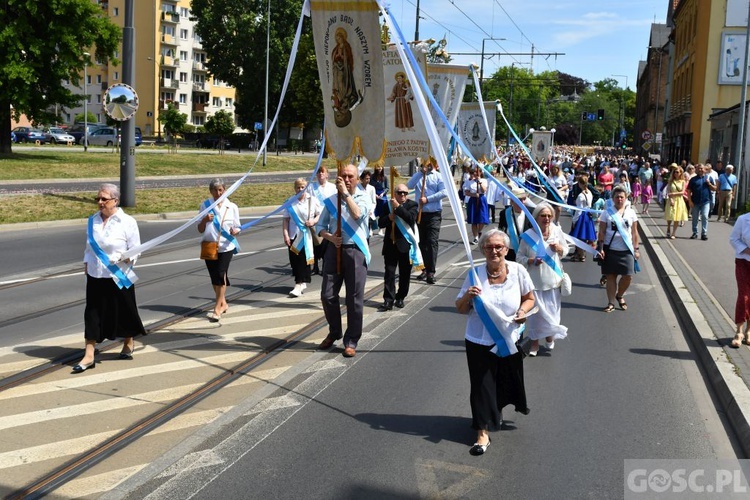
[111,310]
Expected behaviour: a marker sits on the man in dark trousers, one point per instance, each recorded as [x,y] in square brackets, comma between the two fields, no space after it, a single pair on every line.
[396,253]
[431,199]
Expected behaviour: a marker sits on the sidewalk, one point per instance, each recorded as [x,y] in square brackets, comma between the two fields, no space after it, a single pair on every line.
[698,277]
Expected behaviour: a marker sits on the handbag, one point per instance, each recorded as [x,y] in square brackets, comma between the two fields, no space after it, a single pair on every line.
[605,249]
[210,249]
[566,285]
[524,346]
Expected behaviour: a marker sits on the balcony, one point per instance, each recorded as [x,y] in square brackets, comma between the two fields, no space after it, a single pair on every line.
[170,17]
[168,39]
[199,107]
[170,83]
[199,66]
[105,85]
[169,61]
[201,87]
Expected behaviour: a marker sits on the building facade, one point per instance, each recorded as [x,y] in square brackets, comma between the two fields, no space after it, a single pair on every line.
[170,67]
[652,93]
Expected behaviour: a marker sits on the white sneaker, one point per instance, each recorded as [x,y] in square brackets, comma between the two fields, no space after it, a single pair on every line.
[304,286]
[296,291]
[550,345]
[475,241]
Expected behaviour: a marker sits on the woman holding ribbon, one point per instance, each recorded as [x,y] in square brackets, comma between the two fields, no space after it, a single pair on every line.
[546,273]
[221,224]
[477,212]
[583,226]
[617,245]
[497,298]
[301,215]
[111,311]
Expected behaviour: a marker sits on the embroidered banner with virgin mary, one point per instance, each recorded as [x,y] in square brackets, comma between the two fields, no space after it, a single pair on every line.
[541,141]
[405,131]
[350,65]
[472,131]
[447,83]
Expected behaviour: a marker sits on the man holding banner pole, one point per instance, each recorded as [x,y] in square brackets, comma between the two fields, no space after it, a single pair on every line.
[430,191]
[355,257]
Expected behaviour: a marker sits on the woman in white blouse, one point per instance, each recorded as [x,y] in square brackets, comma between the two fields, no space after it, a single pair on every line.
[111,310]
[221,224]
[299,221]
[740,240]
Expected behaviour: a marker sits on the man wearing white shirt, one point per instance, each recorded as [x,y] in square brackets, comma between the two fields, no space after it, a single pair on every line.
[322,190]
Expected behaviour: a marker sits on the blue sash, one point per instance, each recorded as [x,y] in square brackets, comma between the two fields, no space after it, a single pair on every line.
[504,344]
[547,258]
[615,217]
[515,242]
[354,235]
[304,241]
[121,279]
[415,255]
[221,230]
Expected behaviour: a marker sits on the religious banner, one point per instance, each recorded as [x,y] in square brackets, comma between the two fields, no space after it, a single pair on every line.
[405,131]
[350,65]
[541,143]
[447,83]
[472,131]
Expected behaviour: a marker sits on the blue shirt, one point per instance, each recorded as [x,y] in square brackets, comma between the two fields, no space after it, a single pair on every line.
[700,193]
[328,222]
[434,190]
[727,182]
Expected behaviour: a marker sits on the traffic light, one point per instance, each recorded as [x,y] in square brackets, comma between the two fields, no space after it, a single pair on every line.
[624,146]
[600,114]
[584,116]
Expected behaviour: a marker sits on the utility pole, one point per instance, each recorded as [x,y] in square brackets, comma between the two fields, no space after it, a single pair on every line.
[127,145]
[416,25]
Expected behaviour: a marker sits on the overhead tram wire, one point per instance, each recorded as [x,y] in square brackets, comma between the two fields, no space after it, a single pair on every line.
[422,12]
[489,37]
[546,59]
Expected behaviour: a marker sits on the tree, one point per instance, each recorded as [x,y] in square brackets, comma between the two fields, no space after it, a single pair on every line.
[305,103]
[41,46]
[89,118]
[220,123]
[173,121]
[234,37]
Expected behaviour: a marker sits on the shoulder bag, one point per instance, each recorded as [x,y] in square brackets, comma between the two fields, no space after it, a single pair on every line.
[210,249]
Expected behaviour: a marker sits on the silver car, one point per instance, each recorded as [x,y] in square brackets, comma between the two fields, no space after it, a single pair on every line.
[105,136]
[57,135]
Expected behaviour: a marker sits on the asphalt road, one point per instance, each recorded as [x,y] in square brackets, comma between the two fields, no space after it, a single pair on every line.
[394,421]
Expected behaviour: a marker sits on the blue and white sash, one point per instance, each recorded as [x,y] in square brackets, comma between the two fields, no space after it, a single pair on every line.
[415,255]
[624,233]
[546,257]
[357,236]
[503,330]
[512,231]
[304,238]
[219,228]
[118,275]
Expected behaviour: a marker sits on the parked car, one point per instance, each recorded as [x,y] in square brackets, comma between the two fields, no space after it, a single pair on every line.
[104,136]
[28,134]
[138,136]
[12,136]
[77,130]
[56,134]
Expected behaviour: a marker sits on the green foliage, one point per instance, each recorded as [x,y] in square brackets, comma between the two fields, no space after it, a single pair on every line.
[220,123]
[41,46]
[173,121]
[305,103]
[234,36]
[90,118]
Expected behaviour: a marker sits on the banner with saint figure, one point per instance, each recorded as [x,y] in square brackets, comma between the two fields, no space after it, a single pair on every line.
[405,131]
[447,83]
[541,144]
[350,65]
[472,131]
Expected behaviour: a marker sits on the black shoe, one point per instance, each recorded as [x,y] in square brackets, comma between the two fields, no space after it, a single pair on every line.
[693,236]
[479,449]
[422,276]
[126,355]
[316,270]
[80,367]
[387,306]
[431,279]
[399,303]
[704,237]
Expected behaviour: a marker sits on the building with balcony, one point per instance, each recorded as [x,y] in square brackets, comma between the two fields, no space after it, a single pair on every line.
[170,66]
[651,98]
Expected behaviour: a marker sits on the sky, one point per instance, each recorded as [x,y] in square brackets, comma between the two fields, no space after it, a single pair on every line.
[599,38]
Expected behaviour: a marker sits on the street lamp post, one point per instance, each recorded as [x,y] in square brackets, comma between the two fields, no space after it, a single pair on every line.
[85,103]
[660,51]
[622,105]
[265,113]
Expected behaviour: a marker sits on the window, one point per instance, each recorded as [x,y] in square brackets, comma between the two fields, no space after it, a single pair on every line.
[197,38]
[183,34]
[167,96]
[115,11]
[199,120]
[216,102]
[183,77]
[229,102]
[98,117]
[98,98]
[184,12]
[117,75]
[168,30]
[199,79]
[167,74]
[88,79]
[183,55]
[183,98]
[98,78]
[166,51]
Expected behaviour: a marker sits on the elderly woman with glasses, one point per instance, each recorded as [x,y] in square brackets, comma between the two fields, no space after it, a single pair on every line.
[297,229]
[546,272]
[617,245]
[111,311]
[495,381]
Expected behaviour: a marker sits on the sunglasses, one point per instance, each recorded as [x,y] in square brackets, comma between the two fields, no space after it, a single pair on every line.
[101,198]
[402,192]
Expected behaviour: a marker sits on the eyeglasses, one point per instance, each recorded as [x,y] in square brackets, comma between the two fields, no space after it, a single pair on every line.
[496,248]
[101,198]
[402,192]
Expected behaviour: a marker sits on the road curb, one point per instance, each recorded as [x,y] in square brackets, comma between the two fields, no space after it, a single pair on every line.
[730,388]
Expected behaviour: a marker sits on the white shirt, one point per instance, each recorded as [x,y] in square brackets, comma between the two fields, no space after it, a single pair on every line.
[740,237]
[370,191]
[229,217]
[543,276]
[583,200]
[505,296]
[628,219]
[325,191]
[118,235]
[307,208]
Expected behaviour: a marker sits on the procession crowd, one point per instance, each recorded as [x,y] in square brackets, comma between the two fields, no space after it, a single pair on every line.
[513,296]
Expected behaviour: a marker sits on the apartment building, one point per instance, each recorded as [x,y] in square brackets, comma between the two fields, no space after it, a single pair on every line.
[170,66]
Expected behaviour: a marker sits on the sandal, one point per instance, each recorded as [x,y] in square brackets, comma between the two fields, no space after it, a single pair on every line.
[669,235]
[621,301]
[738,339]
[610,307]
[603,281]
[672,237]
